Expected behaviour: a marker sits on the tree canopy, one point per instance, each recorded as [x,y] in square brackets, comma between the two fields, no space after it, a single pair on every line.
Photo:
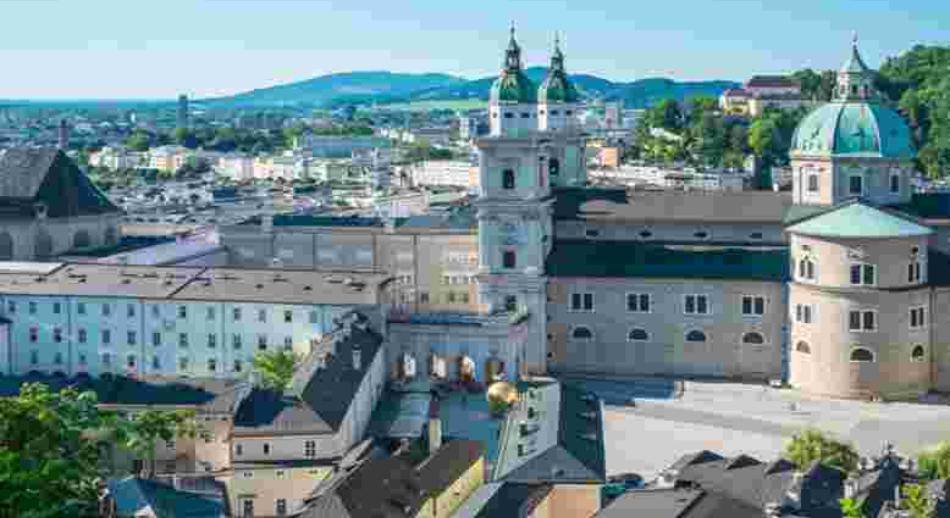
[813,445]
[276,368]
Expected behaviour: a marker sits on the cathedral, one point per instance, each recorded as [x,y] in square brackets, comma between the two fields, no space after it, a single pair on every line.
[838,288]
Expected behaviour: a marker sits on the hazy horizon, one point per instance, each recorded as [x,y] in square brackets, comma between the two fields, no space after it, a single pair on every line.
[116,51]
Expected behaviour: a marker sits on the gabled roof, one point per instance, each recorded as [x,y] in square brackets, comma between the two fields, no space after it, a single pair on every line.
[132,495]
[324,400]
[33,175]
[858,220]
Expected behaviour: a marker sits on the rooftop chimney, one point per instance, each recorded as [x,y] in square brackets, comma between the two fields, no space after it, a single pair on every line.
[357,359]
[63,142]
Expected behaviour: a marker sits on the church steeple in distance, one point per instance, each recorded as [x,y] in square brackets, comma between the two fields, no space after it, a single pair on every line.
[513,53]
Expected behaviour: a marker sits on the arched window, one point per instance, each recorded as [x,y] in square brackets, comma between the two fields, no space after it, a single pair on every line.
[81,239]
[6,246]
[582,333]
[806,269]
[917,354]
[695,336]
[753,338]
[508,179]
[44,245]
[554,167]
[860,354]
[638,335]
[803,347]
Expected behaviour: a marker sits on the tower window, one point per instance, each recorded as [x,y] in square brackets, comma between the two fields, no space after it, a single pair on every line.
[508,259]
[509,115]
[856,185]
[863,274]
[812,182]
[508,179]
[554,167]
[895,183]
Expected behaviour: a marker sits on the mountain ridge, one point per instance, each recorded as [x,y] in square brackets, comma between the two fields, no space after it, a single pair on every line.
[385,87]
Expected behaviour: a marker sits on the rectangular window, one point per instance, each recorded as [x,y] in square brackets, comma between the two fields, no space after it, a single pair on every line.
[106,310]
[57,335]
[753,305]
[130,310]
[508,259]
[183,339]
[57,308]
[212,365]
[281,507]
[236,314]
[236,341]
[812,182]
[288,316]
[863,274]
[314,317]
[862,320]
[696,304]
[209,313]
[856,185]
[156,312]
[262,342]
[183,363]
[212,340]
[81,308]
[31,308]
[917,318]
[895,184]
[156,339]
[638,302]
[106,336]
[310,449]
[582,302]
[237,365]
[34,333]
[130,337]
[82,336]
[11,307]
[262,315]
[182,311]
[913,272]
[106,359]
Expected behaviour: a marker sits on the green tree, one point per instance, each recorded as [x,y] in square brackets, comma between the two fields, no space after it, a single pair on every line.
[139,140]
[52,445]
[142,431]
[812,445]
[917,501]
[934,463]
[850,508]
[276,368]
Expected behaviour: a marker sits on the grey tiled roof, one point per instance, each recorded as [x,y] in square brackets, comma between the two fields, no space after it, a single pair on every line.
[323,402]
[132,495]
[32,175]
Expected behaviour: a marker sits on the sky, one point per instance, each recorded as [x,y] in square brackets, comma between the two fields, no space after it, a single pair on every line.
[156,49]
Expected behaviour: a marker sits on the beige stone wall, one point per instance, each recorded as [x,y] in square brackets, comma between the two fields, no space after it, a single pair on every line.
[833,259]
[828,370]
[666,351]
[940,333]
[570,501]
[264,485]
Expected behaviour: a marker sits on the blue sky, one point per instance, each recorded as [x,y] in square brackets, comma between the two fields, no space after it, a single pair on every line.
[157,48]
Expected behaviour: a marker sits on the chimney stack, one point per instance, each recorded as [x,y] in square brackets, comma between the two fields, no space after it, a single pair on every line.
[63,141]
[357,359]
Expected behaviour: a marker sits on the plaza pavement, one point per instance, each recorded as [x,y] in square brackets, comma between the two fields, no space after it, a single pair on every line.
[733,418]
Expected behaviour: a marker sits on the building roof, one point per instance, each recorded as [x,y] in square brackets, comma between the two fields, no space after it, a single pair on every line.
[701,207]
[132,495]
[853,128]
[576,453]
[929,205]
[323,401]
[511,500]
[513,85]
[29,176]
[679,503]
[601,258]
[208,395]
[199,284]
[556,86]
[858,220]
[393,486]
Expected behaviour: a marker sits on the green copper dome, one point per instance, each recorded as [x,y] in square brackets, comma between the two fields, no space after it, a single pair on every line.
[853,129]
[513,86]
[556,87]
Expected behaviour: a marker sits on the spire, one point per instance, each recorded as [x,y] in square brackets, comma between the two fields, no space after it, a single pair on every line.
[557,58]
[513,54]
[855,80]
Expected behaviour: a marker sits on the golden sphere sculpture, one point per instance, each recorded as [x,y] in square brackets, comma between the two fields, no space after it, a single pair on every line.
[502,393]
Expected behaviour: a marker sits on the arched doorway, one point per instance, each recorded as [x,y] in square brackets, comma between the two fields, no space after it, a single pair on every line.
[6,246]
[466,367]
[437,367]
[44,245]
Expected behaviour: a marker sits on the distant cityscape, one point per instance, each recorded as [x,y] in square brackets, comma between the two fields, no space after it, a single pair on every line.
[538,296]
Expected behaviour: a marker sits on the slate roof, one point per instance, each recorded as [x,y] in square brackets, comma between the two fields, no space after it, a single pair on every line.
[930,205]
[32,175]
[679,503]
[448,464]
[578,454]
[322,403]
[513,500]
[858,220]
[671,206]
[601,258]
[771,82]
[132,495]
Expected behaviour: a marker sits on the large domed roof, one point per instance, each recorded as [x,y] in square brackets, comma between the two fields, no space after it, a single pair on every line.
[853,128]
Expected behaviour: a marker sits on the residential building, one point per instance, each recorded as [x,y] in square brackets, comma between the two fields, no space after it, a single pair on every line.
[178,321]
[762,92]
[166,496]
[445,173]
